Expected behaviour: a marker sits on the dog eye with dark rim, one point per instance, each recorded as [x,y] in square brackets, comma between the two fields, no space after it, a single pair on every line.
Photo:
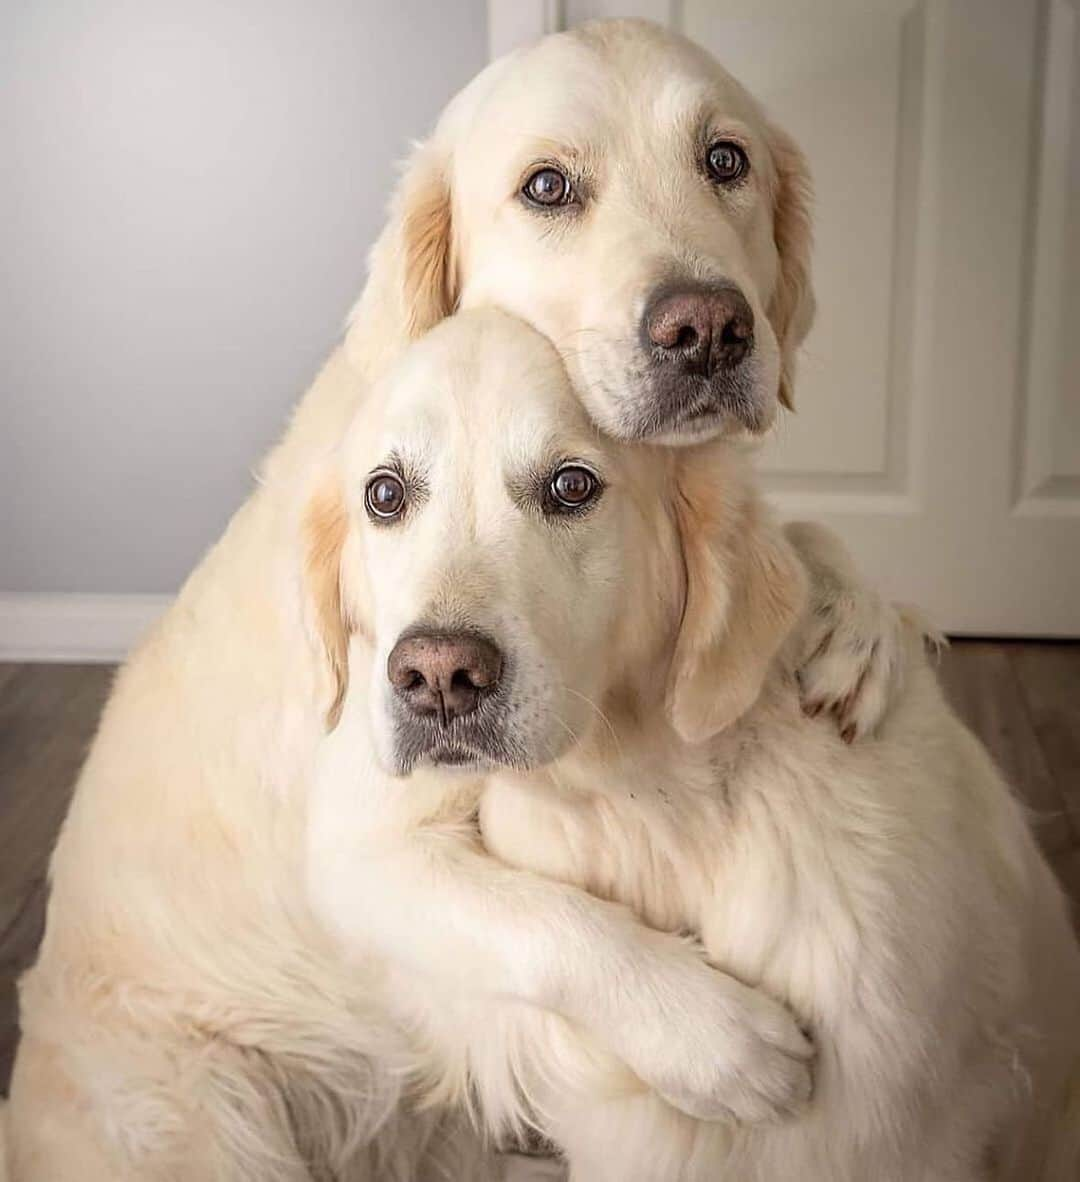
[548,188]
[385,496]
[726,161]
[572,487]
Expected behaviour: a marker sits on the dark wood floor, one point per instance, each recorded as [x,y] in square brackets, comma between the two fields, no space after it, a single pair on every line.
[1023,699]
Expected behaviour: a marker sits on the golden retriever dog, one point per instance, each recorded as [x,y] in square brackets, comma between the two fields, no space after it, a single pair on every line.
[509,643]
[616,189]
[357,869]
[621,192]
[188,1018]
[194,1013]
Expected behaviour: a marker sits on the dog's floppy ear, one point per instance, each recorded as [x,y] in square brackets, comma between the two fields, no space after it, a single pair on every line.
[412,279]
[324,531]
[745,590]
[791,308]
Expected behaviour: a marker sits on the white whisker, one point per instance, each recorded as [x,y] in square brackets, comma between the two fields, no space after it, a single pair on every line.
[599,713]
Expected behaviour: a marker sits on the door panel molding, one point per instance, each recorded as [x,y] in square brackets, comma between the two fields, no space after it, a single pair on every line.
[860,439]
[894,482]
[1047,452]
[940,395]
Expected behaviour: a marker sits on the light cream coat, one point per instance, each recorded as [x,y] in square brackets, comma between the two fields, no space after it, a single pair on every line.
[187,1018]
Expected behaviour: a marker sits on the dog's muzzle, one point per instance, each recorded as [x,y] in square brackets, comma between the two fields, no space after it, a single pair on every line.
[447,700]
[699,343]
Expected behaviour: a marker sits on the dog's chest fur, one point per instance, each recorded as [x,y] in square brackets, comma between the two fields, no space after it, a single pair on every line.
[803,865]
[692,839]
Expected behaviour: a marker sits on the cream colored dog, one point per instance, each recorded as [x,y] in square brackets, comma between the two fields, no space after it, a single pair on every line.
[603,626]
[190,1017]
[620,191]
[260,931]
[186,1018]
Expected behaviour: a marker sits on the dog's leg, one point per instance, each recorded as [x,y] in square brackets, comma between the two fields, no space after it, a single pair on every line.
[605,1124]
[439,906]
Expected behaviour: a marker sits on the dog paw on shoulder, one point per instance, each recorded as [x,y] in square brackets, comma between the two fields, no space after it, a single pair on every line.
[849,649]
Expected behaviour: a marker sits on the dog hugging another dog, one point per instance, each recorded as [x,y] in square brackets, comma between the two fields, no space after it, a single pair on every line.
[476,783]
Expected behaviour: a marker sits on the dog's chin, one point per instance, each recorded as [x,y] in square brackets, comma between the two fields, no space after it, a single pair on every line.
[459,758]
[700,429]
[456,757]
[681,410]
[489,740]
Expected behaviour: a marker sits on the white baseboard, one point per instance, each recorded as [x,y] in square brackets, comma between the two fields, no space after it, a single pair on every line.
[75,628]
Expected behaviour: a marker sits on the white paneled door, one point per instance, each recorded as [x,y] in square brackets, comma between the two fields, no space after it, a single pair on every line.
[938,427]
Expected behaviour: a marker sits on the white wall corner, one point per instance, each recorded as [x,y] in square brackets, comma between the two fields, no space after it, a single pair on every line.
[74,628]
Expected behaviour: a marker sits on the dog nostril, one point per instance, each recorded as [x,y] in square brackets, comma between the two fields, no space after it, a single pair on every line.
[687,337]
[464,680]
[736,332]
[413,679]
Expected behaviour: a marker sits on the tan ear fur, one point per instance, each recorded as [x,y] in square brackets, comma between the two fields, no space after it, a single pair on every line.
[412,280]
[745,590]
[791,309]
[326,526]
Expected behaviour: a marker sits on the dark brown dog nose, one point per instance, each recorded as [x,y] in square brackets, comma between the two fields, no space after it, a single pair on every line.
[443,674]
[703,329]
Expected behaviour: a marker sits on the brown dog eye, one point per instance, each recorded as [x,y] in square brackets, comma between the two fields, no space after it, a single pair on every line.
[726,161]
[548,187]
[573,487]
[385,496]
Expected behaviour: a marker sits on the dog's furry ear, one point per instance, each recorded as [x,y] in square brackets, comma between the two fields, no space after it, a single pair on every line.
[791,309]
[325,530]
[745,590]
[412,276]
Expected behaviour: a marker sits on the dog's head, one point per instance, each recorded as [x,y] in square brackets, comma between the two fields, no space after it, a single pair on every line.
[507,573]
[618,190]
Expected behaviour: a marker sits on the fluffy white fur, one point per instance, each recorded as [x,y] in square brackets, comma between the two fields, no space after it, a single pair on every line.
[197,1014]
[890,892]
[187,1018]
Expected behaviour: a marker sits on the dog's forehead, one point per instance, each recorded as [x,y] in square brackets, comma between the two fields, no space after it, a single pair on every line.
[652,63]
[607,93]
[594,74]
[555,91]
[481,384]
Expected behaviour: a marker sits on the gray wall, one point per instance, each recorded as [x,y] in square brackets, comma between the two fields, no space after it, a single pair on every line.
[187,192]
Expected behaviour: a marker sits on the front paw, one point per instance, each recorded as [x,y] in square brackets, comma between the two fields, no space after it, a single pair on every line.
[849,649]
[851,668]
[740,1056]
